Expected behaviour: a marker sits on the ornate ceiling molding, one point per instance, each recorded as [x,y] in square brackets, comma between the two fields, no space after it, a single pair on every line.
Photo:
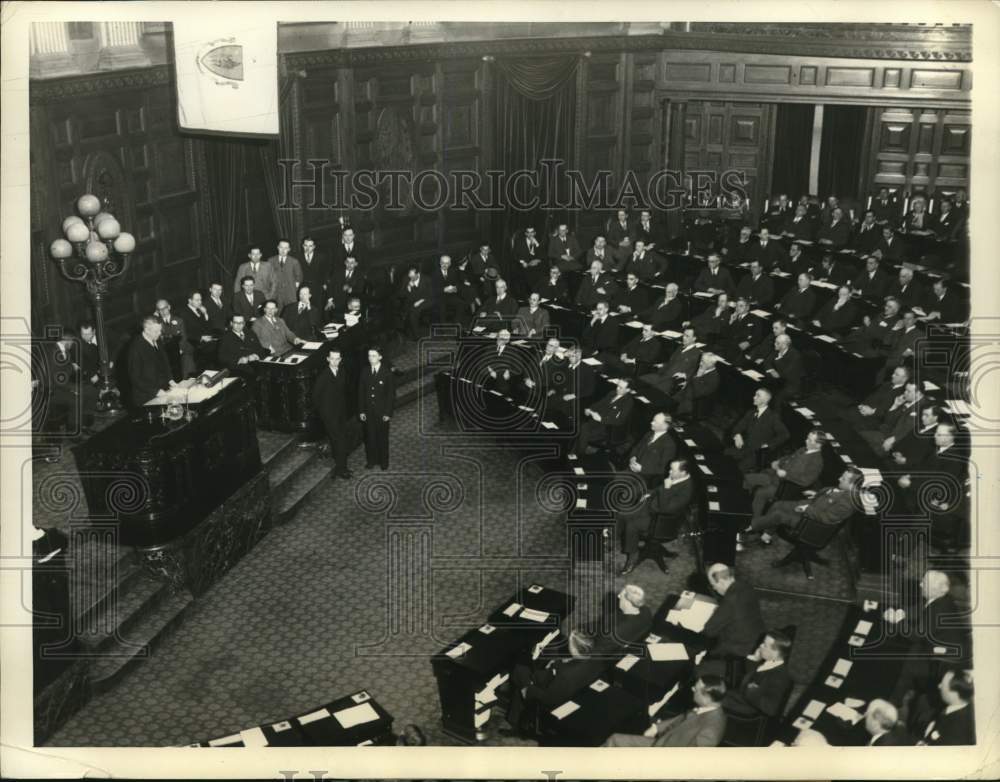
[99,83]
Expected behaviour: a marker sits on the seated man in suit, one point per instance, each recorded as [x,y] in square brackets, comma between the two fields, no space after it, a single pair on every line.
[890,248]
[713,279]
[499,308]
[944,306]
[239,348]
[703,384]
[542,375]
[766,686]
[274,335]
[756,287]
[345,281]
[758,433]
[667,313]
[702,726]
[883,725]
[709,324]
[601,333]
[632,299]
[249,302]
[198,331]
[954,725]
[801,468]
[838,316]
[682,364]
[148,366]
[867,237]
[786,368]
[831,270]
[767,251]
[885,206]
[600,252]
[800,302]
[837,232]
[905,335]
[831,505]
[645,264]
[915,447]
[765,348]
[797,261]
[554,289]
[741,333]
[531,321]
[799,226]
[875,335]
[638,356]
[612,411]
[872,283]
[574,386]
[564,251]
[651,233]
[902,417]
[652,453]
[673,499]
[740,249]
[906,290]
[596,285]
[736,626]
[301,317]
[628,616]
[553,682]
[505,365]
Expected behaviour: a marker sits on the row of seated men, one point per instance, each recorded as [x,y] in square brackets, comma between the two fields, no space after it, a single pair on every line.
[744,673]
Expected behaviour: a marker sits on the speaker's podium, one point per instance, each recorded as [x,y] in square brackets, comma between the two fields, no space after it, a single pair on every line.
[469,670]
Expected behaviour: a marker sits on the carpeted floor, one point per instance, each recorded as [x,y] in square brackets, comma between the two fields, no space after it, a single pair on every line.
[373,576]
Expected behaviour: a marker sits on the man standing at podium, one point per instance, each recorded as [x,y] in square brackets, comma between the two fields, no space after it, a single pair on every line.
[148,366]
[376,399]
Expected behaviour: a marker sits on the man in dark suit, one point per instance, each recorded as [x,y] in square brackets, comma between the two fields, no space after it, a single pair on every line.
[612,411]
[506,365]
[766,686]
[596,286]
[198,331]
[554,289]
[329,397]
[868,235]
[882,724]
[345,280]
[874,337]
[672,499]
[741,333]
[173,340]
[756,287]
[831,506]
[650,232]
[801,468]
[445,286]
[645,264]
[218,310]
[148,365]
[890,247]
[885,207]
[249,302]
[767,251]
[632,299]
[832,271]
[350,247]
[906,289]
[574,386]
[417,299]
[740,249]
[946,465]
[870,412]
[902,417]
[239,348]
[838,316]
[701,385]
[955,724]
[787,369]
[640,355]
[799,226]
[667,313]
[713,279]
[564,251]
[652,453]
[287,274]
[528,255]
[736,626]
[682,364]
[599,252]
[949,222]
[301,316]
[837,232]
[315,268]
[799,302]
[797,261]
[943,306]
[500,308]
[872,283]
[376,402]
[758,433]
[601,333]
[554,682]
[916,446]
[702,726]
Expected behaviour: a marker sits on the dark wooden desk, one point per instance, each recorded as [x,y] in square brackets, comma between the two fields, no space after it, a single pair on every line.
[158,478]
[284,391]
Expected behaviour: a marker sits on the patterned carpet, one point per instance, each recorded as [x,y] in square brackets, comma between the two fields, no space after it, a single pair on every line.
[367,580]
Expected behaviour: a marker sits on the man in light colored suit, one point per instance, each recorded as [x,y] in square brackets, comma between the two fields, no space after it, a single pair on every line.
[261,271]
[273,332]
[533,319]
[702,726]
[287,275]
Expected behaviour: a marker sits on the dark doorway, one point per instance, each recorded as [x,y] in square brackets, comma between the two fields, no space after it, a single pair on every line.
[841,149]
[792,146]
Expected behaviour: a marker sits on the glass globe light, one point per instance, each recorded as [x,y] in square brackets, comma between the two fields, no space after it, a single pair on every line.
[102,217]
[96,251]
[78,232]
[125,243]
[108,229]
[72,219]
[88,205]
[60,249]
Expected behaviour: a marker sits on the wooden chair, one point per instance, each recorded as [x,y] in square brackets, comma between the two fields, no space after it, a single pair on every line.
[665,528]
[808,538]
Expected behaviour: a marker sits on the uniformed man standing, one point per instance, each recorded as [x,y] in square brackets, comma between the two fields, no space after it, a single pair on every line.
[376,399]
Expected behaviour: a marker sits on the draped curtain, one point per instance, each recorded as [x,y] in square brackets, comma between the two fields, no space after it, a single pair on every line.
[841,147]
[535,110]
[270,153]
[792,148]
[226,162]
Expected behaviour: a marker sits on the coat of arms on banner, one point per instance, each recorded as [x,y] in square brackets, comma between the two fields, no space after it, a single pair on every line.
[222,59]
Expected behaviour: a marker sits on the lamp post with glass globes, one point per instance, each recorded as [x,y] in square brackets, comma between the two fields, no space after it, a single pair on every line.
[94,252]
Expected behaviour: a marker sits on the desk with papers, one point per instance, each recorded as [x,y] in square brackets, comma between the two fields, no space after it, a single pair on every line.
[356,720]
[284,387]
[469,670]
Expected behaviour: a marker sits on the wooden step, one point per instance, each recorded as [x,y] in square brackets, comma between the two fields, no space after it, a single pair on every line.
[110,624]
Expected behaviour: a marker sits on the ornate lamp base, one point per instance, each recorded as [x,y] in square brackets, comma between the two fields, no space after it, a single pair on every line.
[109,399]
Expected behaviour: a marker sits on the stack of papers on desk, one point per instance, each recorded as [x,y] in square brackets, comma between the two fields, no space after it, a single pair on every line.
[311,345]
[871,476]
[813,710]
[254,737]
[319,714]
[626,662]
[659,652]
[533,615]
[356,715]
[459,650]
[694,617]
[844,712]
[565,710]
[512,609]
[806,412]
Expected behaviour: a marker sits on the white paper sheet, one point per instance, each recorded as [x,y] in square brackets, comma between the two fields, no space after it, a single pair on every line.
[459,650]
[253,737]
[814,709]
[599,686]
[310,345]
[753,374]
[705,469]
[592,362]
[845,713]
[635,324]
[533,615]
[843,667]
[512,609]
[565,710]
[833,681]
[863,627]
[667,652]
[356,715]
[626,662]
[225,740]
[697,615]
[581,504]
[549,425]
[713,505]
[312,716]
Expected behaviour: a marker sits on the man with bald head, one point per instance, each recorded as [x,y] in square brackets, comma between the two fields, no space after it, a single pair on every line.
[666,313]
[736,626]
[882,724]
[907,290]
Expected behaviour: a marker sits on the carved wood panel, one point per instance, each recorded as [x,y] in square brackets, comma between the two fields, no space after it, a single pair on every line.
[920,149]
